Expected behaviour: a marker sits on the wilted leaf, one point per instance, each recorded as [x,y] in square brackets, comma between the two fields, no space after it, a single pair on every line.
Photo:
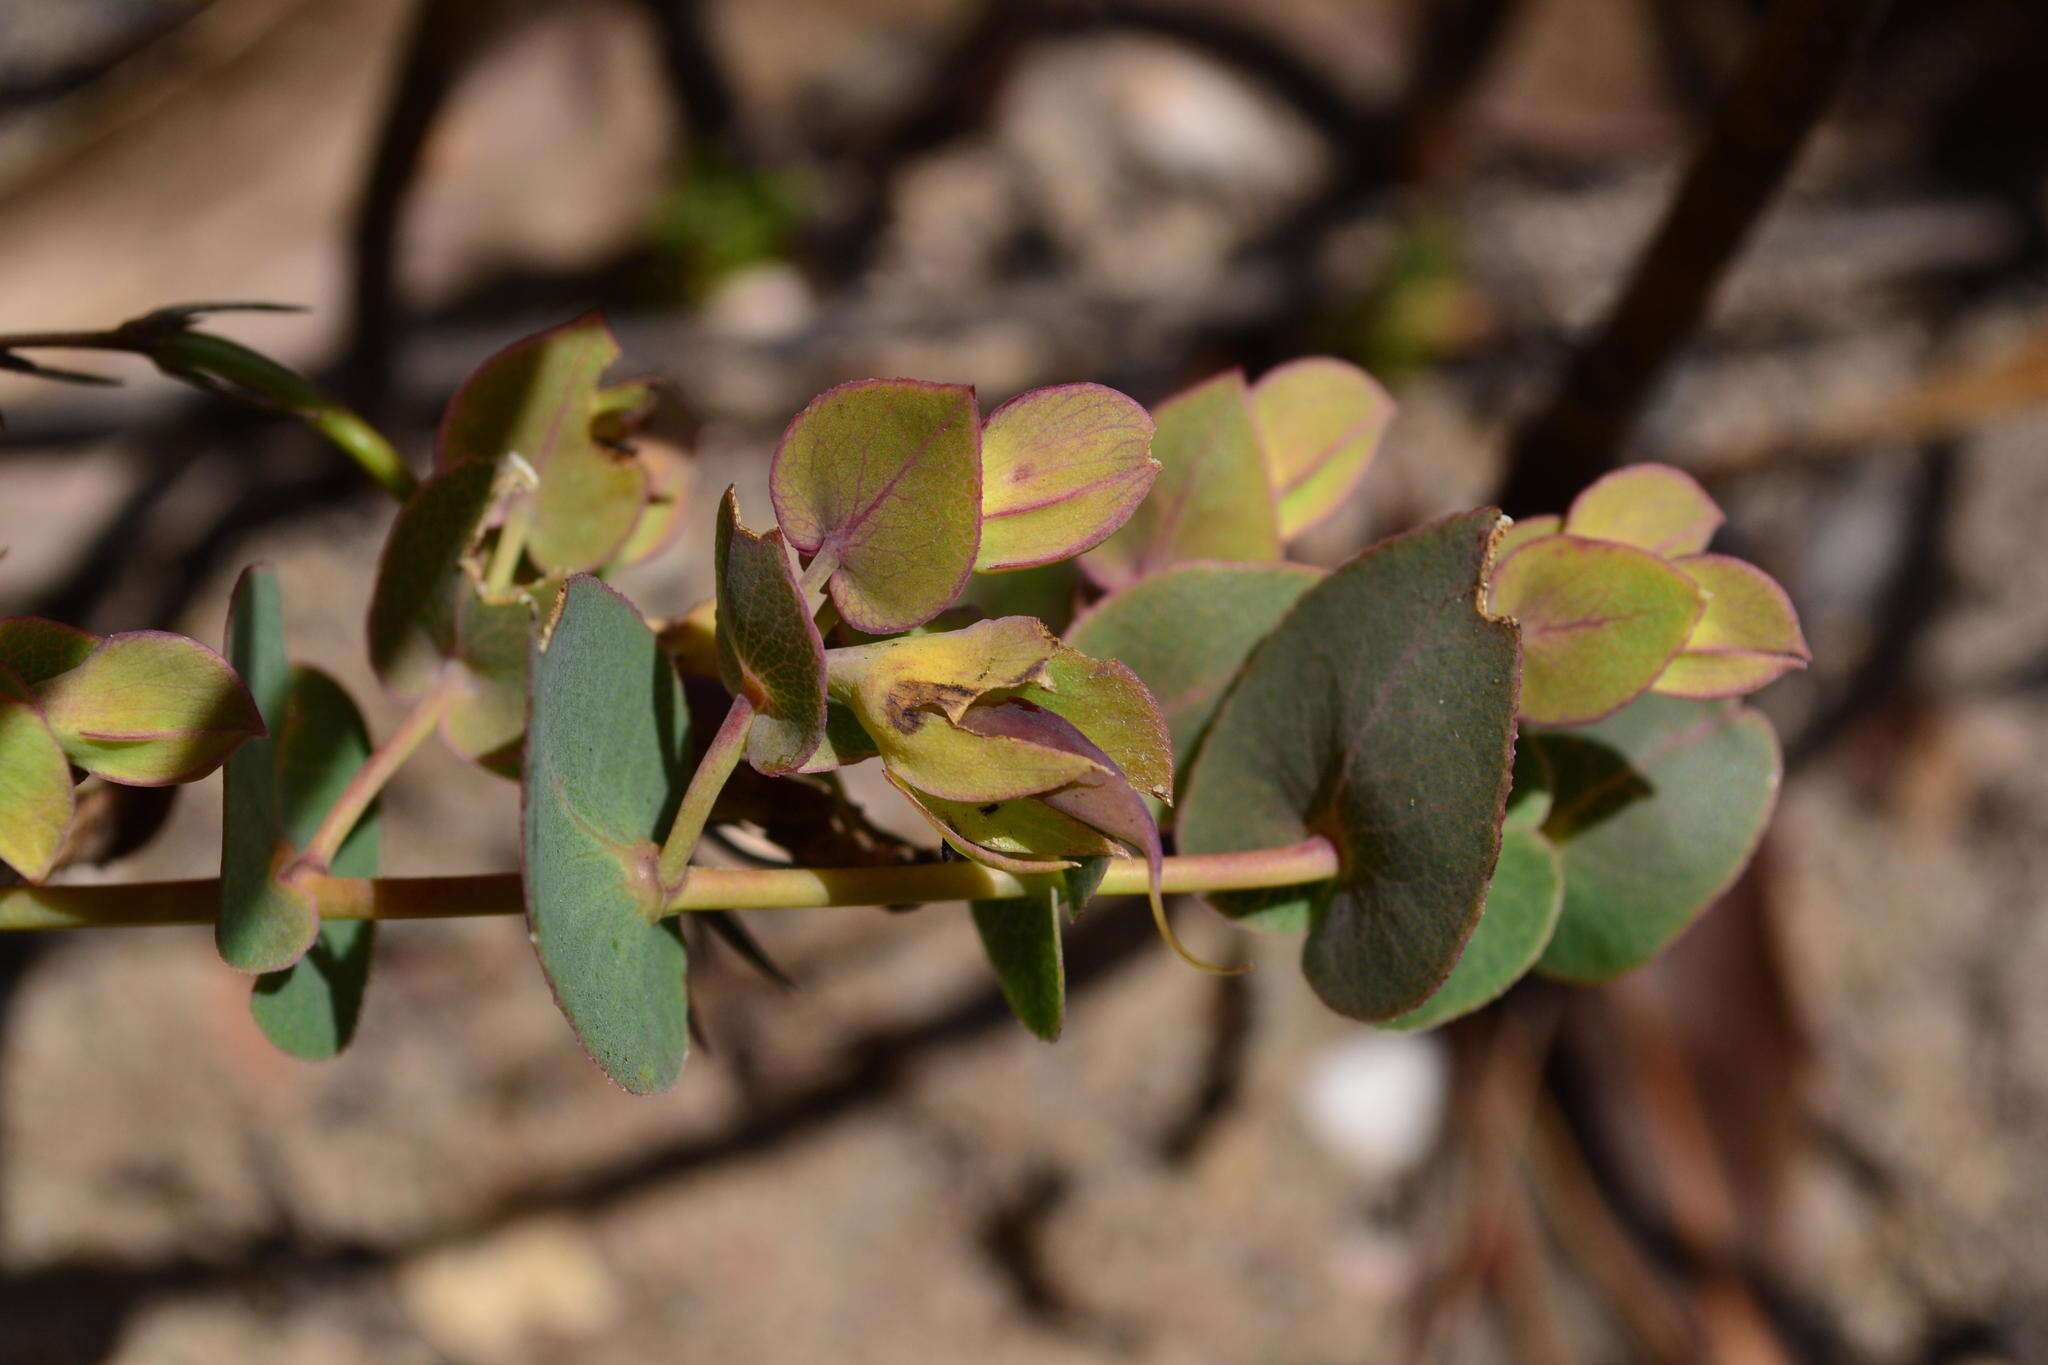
[1650,506]
[1748,635]
[1212,499]
[310,1009]
[1599,620]
[769,650]
[1522,904]
[1657,809]
[1380,715]
[148,708]
[607,755]
[36,798]
[541,399]
[1320,420]
[1061,468]
[1186,633]
[884,477]
[1109,703]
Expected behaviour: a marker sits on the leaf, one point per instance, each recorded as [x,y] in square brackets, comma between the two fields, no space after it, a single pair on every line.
[1046,592]
[541,399]
[769,649]
[1022,939]
[1650,506]
[1380,715]
[1320,420]
[1748,635]
[1658,808]
[264,925]
[310,1009]
[1522,904]
[670,478]
[428,614]
[1212,499]
[910,695]
[38,650]
[37,801]
[1061,468]
[1186,633]
[1599,620]
[884,475]
[148,708]
[607,753]
[1109,704]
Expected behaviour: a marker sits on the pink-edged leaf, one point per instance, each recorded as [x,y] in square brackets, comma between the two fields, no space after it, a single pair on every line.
[1650,506]
[884,477]
[37,803]
[147,708]
[1212,499]
[1320,420]
[1748,635]
[769,649]
[1061,469]
[1599,621]
[1520,533]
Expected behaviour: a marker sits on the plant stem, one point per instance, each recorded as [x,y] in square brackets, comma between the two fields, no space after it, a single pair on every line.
[708,888]
[822,566]
[377,770]
[720,758]
[504,565]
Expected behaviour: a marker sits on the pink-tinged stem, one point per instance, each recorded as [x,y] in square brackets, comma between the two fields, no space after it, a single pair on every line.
[706,783]
[708,888]
[377,770]
[822,566]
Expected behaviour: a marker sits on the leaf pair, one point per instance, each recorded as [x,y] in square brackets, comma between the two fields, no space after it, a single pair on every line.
[902,492]
[143,708]
[1246,468]
[1617,597]
[276,791]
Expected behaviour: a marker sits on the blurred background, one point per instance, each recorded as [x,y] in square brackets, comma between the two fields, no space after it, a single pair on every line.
[1798,247]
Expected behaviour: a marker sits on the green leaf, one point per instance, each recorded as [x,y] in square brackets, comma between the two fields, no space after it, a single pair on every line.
[1047,592]
[1658,808]
[1522,905]
[36,798]
[1186,632]
[1108,702]
[1520,533]
[1320,420]
[1212,500]
[1650,506]
[38,650]
[541,399]
[1379,714]
[1747,637]
[1599,620]
[769,649]
[264,925]
[428,614]
[147,708]
[607,754]
[1061,468]
[670,477]
[1022,939]
[884,475]
[310,1009]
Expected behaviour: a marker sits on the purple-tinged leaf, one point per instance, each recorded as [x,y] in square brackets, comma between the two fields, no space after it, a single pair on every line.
[1320,421]
[37,803]
[1599,621]
[769,649]
[1212,499]
[1061,468]
[1747,637]
[1650,506]
[147,708]
[37,650]
[882,477]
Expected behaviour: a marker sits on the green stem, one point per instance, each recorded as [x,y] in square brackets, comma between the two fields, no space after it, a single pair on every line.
[504,565]
[720,758]
[708,888]
[370,779]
